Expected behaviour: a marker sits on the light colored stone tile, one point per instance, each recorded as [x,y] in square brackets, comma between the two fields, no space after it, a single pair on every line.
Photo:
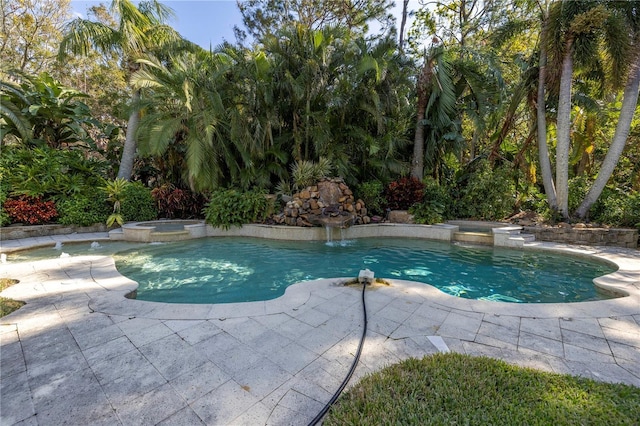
[236,359]
[108,350]
[292,357]
[98,337]
[125,365]
[243,329]
[152,407]
[496,332]
[313,317]
[225,404]
[540,344]
[199,381]
[199,332]
[172,356]
[262,378]
[269,342]
[579,353]
[586,341]
[11,360]
[294,328]
[317,341]
[15,399]
[179,325]
[216,346]
[392,313]
[135,384]
[257,414]
[544,327]
[184,417]
[625,352]
[149,334]
[589,326]
[55,368]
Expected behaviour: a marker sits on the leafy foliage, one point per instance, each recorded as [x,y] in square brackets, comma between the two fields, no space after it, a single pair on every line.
[487,193]
[404,193]
[4,216]
[30,210]
[137,203]
[40,111]
[230,207]
[176,203]
[436,206]
[372,193]
[84,209]
[49,173]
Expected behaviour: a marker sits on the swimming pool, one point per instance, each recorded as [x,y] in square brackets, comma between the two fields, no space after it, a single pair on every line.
[225,270]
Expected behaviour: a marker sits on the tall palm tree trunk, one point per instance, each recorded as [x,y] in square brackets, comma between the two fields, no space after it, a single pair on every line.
[541,112]
[629,103]
[563,131]
[129,150]
[417,161]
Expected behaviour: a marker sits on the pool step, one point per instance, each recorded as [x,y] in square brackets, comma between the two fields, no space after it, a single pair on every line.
[116,234]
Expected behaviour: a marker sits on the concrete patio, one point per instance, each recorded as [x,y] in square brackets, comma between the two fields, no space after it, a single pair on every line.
[80,353]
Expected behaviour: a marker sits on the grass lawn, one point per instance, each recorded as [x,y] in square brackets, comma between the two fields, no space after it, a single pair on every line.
[8,305]
[455,389]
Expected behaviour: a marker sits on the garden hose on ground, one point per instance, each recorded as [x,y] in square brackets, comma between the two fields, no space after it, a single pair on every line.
[335,396]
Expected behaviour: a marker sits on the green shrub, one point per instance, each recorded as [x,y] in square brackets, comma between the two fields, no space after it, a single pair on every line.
[617,207]
[372,194]
[4,216]
[230,207]
[84,209]
[488,194]
[137,203]
[436,205]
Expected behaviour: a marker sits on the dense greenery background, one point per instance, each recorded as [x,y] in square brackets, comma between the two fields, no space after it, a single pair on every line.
[453,102]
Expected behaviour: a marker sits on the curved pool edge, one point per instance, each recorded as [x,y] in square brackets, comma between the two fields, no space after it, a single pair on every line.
[98,278]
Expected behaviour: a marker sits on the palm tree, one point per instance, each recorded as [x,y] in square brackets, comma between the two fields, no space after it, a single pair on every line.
[187,110]
[630,12]
[577,32]
[139,31]
[437,129]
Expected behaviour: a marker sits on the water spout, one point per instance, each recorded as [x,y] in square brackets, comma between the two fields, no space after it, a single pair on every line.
[328,230]
[3,258]
[95,245]
[58,246]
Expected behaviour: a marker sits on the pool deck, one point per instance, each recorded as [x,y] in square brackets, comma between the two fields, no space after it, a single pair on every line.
[81,353]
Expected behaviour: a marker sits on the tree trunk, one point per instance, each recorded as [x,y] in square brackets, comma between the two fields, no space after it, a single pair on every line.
[541,112]
[629,103]
[417,162]
[563,131]
[403,23]
[129,150]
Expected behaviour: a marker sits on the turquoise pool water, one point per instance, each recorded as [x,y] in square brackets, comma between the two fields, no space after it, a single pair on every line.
[223,270]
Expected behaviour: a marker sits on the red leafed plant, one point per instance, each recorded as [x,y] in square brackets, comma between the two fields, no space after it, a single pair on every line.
[30,210]
[403,193]
[176,203]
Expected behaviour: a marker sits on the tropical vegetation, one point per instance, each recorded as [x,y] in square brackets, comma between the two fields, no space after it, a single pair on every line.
[478,110]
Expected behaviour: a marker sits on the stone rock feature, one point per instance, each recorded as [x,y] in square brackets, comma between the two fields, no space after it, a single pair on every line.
[329,203]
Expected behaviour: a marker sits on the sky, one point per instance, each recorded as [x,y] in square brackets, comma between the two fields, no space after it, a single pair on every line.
[206,22]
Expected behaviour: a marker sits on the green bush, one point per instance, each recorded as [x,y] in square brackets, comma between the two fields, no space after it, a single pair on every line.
[489,194]
[230,207]
[436,205]
[372,194]
[617,207]
[84,209]
[137,203]
[4,216]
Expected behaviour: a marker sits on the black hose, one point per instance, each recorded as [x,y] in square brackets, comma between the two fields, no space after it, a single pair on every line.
[335,396]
